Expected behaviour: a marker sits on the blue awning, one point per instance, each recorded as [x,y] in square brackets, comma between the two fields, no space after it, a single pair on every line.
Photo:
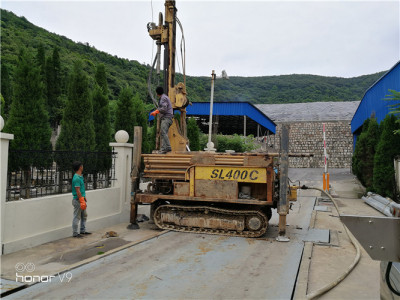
[230,117]
[233,109]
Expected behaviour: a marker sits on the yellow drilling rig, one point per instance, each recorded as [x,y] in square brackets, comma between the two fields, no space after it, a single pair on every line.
[206,192]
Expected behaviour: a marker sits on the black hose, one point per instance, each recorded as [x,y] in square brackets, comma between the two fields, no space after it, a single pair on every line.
[387,277]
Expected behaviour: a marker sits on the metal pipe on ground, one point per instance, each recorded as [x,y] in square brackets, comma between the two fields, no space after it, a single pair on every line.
[386,206]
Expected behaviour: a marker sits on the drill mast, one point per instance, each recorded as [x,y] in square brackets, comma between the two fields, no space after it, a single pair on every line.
[164,34]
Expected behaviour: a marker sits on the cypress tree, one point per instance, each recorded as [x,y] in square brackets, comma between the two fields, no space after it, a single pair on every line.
[3,102]
[388,147]
[53,88]
[101,78]
[6,90]
[125,118]
[358,158]
[41,59]
[394,108]
[49,83]
[193,133]
[77,131]
[372,138]
[57,72]
[28,118]
[101,110]
[141,116]
[101,118]
[151,134]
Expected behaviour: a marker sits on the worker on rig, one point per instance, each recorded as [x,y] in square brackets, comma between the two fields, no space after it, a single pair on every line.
[166,114]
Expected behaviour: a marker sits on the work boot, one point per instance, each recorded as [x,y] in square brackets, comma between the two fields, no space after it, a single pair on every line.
[160,152]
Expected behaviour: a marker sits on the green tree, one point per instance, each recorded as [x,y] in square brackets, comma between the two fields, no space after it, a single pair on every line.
[101,117]
[101,78]
[193,134]
[152,133]
[6,89]
[2,105]
[57,72]
[388,147]
[55,103]
[41,59]
[372,139]
[141,117]
[28,118]
[102,108]
[358,159]
[394,108]
[125,118]
[113,104]
[77,126]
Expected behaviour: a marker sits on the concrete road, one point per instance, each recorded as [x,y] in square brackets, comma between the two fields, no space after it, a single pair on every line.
[179,265]
[191,266]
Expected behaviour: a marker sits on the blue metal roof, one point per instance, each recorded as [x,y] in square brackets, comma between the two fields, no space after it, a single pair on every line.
[232,109]
[373,98]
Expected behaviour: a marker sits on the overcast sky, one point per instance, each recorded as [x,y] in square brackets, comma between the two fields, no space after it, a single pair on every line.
[246,38]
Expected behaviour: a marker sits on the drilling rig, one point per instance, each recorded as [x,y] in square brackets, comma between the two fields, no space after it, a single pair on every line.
[207,192]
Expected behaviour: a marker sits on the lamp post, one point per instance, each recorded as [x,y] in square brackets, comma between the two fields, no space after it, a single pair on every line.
[210,144]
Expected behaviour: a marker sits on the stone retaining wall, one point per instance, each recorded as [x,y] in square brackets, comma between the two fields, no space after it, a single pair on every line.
[307,137]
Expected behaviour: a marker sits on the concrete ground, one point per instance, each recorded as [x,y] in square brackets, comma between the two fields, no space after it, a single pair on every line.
[149,263]
[322,264]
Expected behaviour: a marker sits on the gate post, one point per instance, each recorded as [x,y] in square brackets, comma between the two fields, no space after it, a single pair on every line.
[4,144]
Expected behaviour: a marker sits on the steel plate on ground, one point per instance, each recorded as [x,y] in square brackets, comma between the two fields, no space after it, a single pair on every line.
[317,236]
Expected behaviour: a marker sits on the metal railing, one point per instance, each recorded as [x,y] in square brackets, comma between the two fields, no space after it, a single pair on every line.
[38,173]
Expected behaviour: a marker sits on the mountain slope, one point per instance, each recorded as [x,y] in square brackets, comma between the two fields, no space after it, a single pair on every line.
[17,32]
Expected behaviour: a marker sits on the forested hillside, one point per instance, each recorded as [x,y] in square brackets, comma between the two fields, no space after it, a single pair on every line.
[17,32]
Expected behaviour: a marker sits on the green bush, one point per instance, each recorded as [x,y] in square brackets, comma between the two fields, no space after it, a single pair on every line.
[193,134]
[203,140]
[225,142]
[230,142]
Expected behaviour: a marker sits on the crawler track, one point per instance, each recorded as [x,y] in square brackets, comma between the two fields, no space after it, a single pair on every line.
[211,220]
